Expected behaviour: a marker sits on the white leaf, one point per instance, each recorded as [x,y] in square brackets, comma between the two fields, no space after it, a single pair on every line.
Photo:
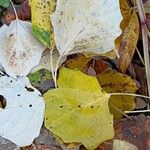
[123,145]
[86,25]
[45,61]
[19,49]
[22,118]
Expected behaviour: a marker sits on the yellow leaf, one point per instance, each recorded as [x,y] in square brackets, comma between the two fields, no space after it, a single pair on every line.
[76,80]
[76,113]
[78,63]
[114,82]
[41,25]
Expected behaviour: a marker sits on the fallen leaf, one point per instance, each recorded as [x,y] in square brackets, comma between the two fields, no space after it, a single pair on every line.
[113,82]
[123,145]
[23,112]
[78,62]
[20,51]
[41,24]
[43,147]
[84,28]
[4,3]
[135,131]
[77,80]
[7,145]
[23,11]
[78,110]
[42,80]
[128,40]
[45,62]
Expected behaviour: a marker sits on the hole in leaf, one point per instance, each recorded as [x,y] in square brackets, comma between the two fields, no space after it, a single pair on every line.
[79,106]
[29,89]
[30,105]
[61,106]
[2,102]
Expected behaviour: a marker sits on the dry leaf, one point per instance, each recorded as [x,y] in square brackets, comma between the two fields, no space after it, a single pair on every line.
[45,62]
[22,118]
[135,131]
[114,82]
[84,27]
[19,50]
[128,40]
[123,145]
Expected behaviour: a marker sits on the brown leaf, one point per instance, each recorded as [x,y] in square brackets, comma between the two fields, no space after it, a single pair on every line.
[128,40]
[135,131]
[43,147]
[23,11]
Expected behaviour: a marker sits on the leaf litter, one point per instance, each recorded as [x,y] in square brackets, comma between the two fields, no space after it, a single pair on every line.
[70,91]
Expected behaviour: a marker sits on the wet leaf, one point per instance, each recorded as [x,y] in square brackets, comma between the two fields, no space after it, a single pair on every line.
[78,110]
[23,104]
[20,51]
[114,82]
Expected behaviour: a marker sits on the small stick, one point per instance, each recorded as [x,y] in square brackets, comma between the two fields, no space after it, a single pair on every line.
[136,111]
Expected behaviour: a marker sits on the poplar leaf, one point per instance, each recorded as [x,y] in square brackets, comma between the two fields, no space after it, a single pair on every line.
[41,25]
[22,118]
[80,26]
[78,110]
[19,49]
[113,82]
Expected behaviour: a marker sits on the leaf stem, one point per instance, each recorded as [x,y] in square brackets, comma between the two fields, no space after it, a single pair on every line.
[14,9]
[129,94]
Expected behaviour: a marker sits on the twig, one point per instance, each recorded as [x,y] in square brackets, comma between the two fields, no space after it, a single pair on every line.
[145,41]
[140,56]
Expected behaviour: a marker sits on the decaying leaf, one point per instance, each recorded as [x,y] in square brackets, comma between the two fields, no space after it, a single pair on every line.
[22,118]
[135,131]
[81,26]
[114,82]
[42,80]
[23,11]
[19,49]
[78,110]
[41,25]
[128,40]
[78,62]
